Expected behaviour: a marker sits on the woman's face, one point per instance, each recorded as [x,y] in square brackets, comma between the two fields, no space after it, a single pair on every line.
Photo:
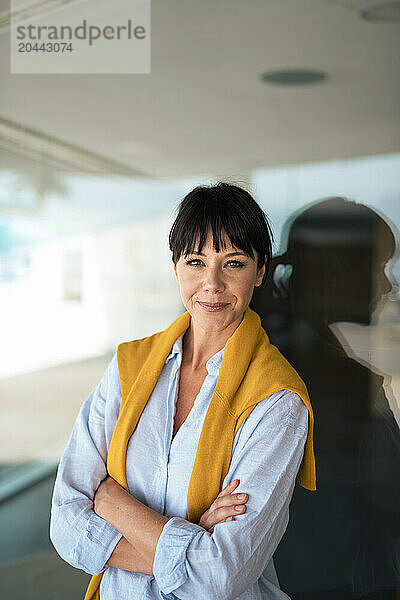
[227,277]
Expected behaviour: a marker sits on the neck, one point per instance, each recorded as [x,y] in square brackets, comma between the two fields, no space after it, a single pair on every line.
[199,345]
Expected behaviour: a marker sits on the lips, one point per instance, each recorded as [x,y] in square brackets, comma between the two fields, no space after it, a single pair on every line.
[214,304]
[213,307]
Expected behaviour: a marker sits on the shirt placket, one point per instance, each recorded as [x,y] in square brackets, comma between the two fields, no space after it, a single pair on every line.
[170,404]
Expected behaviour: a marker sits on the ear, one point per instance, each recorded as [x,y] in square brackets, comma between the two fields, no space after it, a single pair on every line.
[176,272]
[260,276]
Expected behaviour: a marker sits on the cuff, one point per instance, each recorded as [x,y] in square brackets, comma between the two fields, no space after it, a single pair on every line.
[169,565]
[96,544]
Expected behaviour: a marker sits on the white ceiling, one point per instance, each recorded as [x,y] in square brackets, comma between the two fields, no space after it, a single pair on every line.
[203,108]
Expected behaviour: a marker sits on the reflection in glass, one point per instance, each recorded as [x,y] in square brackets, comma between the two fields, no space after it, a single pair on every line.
[343,541]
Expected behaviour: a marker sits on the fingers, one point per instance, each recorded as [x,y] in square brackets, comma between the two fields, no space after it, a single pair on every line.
[221,515]
[229,500]
[225,508]
[229,488]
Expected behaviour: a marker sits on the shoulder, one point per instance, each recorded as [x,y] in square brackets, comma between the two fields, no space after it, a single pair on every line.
[108,390]
[105,397]
[133,346]
[136,351]
[298,412]
[110,378]
[131,357]
[281,410]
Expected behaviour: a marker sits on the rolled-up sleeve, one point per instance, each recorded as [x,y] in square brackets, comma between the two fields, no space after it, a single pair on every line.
[80,536]
[189,560]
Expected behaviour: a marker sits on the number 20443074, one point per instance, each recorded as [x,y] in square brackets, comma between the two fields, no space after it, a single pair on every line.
[45,47]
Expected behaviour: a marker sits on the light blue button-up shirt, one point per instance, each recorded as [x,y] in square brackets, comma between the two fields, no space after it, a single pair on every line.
[235,561]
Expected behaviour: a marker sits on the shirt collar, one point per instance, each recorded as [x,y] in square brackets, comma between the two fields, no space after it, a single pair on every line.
[213,364]
[176,348]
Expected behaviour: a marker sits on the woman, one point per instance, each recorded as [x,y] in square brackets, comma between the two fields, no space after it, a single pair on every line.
[179,416]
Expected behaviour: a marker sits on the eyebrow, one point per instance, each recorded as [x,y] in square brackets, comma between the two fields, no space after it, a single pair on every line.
[230,253]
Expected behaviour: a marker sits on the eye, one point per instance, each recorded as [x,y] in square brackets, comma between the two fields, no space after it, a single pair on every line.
[236,264]
[195,262]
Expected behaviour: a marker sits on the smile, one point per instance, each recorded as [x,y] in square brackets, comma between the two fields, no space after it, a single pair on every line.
[213,307]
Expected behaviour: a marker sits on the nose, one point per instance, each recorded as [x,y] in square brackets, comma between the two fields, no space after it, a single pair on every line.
[384,286]
[213,279]
[387,285]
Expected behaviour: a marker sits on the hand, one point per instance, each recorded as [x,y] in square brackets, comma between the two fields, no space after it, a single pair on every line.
[106,497]
[223,507]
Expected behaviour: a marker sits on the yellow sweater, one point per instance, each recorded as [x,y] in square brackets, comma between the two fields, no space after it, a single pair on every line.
[252,369]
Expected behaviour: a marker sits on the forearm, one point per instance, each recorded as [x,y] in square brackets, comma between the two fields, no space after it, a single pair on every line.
[125,557]
[140,525]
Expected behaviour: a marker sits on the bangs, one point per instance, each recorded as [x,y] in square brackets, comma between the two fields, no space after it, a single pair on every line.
[195,235]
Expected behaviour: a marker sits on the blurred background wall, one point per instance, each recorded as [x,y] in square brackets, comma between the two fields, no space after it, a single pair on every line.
[296,101]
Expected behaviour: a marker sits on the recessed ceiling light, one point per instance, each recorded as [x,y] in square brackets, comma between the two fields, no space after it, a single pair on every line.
[294,77]
[382,13]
